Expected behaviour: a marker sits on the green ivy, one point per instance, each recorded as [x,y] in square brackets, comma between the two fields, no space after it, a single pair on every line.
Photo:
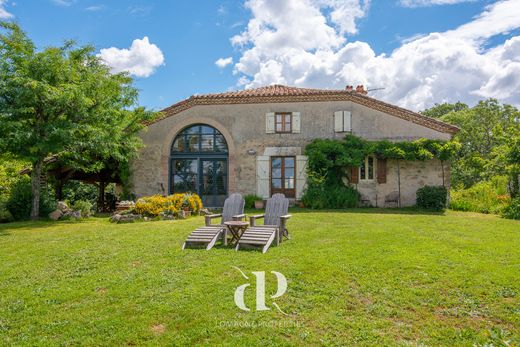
[331,158]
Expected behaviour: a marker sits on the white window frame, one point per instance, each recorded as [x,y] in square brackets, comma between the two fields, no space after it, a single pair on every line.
[366,168]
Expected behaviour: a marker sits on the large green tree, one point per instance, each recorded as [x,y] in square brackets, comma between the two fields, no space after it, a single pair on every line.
[64,101]
[485,133]
[439,110]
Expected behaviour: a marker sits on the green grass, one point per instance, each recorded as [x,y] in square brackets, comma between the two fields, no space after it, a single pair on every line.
[358,277]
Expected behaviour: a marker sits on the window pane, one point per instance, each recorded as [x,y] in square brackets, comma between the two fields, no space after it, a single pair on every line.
[179,145]
[207,143]
[207,130]
[279,127]
[184,175]
[192,130]
[289,172]
[370,168]
[289,162]
[193,143]
[276,173]
[276,163]
[220,144]
[362,171]
[276,183]
[289,183]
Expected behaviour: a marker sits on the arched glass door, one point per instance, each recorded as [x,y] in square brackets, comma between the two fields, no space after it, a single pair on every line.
[199,164]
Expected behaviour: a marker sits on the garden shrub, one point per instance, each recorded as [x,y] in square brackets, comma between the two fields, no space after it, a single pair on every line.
[484,197]
[20,200]
[155,205]
[5,215]
[84,206]
[78,191]
[250,200]
[432,197]
[320,197]
[512,211]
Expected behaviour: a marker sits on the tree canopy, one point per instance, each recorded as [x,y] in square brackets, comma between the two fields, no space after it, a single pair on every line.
[485,136]
[64,101]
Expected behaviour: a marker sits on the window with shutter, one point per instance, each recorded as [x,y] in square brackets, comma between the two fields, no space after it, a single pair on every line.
[301,175]
[342,121]
[381,170]
[283,123]
[367,169]
[269,123]
[296,122]
[262,176]
[354,175]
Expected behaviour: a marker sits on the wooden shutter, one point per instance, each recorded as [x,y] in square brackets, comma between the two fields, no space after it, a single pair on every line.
[347,121]
[381,170]
[296,122]
[338,121]
[301,175]
[269,123]
[262,176]
[354,175]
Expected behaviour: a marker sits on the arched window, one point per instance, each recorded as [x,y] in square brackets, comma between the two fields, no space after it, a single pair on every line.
[199,138]
[199,164]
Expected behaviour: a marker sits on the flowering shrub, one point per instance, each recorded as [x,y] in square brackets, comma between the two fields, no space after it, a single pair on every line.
[156,205]
[193,202]
[485,197]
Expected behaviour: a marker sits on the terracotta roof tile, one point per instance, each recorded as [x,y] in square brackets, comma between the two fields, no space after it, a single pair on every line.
[281,94]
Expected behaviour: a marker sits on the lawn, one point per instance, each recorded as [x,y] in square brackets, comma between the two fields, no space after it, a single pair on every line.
[360,277]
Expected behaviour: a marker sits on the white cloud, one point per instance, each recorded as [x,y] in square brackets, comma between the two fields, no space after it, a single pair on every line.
[223,62]
[65,3]
[3,12]
[436,67]
[141,59]
[499,18]
[95,8]
[424,3]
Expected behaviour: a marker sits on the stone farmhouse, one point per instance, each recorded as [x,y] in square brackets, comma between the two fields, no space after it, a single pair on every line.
[253,142]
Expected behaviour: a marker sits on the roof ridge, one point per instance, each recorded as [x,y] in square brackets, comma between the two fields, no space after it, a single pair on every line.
[277,93]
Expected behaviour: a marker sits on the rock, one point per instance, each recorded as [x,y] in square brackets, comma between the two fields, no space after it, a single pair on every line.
[115,218]
[62,206]
[55,215]
[129,218]
[76,214]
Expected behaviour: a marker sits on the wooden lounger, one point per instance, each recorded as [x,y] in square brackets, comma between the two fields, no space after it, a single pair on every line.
[208,235]
[274,228]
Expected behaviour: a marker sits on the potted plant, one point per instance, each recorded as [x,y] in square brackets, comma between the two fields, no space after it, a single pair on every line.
[259,203]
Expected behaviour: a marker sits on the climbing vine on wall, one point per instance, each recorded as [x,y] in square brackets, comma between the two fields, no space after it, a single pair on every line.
[329,160]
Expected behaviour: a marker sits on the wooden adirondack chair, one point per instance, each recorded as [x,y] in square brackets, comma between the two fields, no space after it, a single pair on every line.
[274,228]
[208,235]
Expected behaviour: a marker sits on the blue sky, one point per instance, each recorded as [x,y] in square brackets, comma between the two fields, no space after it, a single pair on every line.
[312,43]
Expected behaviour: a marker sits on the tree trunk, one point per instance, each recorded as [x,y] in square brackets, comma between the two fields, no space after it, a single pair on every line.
[59,190]
[101,197]
[35,188]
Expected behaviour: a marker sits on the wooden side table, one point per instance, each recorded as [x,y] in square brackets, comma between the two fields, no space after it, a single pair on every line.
[236,228]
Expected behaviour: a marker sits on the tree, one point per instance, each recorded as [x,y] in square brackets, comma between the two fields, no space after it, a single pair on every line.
[64,101]
[485,133]
[513,159]
[439,110]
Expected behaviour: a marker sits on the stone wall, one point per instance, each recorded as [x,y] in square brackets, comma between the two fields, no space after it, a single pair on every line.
[243,126]
[414,175]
